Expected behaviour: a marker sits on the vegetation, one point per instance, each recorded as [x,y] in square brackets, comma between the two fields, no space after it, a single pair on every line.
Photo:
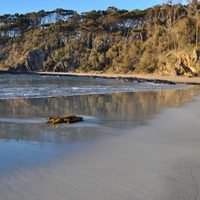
[112,40]
[66,119]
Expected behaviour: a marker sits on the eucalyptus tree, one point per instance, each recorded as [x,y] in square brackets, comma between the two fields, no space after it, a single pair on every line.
[193,9]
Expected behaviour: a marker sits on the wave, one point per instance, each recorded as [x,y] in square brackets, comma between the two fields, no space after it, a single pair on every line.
[34,86]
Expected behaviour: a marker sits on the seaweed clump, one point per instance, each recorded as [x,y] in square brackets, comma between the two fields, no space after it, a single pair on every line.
[66,119]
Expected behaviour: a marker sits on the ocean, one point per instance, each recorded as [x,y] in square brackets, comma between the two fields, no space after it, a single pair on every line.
[36,86]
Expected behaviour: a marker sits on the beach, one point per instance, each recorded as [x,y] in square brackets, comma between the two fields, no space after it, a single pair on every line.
[174,79]
[151,155]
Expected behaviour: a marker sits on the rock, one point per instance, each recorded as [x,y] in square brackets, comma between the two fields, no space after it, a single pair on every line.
[21,67]
[64,65]
[32,61]
[130,80]
[196,55]
[180,64]
[59,67]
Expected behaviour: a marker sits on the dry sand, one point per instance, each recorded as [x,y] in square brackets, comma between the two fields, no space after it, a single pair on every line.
[158,161]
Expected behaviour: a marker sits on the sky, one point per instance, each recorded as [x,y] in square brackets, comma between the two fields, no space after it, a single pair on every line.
[26,6]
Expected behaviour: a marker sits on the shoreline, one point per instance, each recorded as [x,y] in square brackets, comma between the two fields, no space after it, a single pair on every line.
[174,80]
[159,160]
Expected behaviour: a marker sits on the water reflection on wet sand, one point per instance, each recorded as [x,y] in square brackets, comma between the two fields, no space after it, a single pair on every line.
[26,140]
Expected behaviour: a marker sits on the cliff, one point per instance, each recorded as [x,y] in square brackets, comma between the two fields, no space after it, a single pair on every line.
[172,64]
[164,39]
[180,64]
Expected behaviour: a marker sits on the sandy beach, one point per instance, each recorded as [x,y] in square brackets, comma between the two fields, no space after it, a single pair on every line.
[142,146]
[156,161]
[176,79]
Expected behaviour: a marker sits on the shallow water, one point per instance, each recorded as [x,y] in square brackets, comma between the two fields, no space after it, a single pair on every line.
[35,86]
[24,138]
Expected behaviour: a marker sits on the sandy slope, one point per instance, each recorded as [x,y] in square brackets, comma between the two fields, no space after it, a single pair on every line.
[159,161]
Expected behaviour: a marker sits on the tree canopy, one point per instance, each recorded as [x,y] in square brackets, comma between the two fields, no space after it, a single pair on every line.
[103,40]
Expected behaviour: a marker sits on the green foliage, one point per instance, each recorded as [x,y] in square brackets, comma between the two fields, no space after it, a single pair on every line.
[112,40]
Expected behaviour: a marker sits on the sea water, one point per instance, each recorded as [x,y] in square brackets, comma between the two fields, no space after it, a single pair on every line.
[108,106]
[35,86]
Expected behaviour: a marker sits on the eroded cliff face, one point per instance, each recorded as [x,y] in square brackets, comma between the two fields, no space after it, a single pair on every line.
[31,61]
[180,64]
[172,64]
[34,61]
[64,66]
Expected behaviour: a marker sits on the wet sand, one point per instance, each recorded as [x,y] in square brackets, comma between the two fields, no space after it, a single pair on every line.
[158,161]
